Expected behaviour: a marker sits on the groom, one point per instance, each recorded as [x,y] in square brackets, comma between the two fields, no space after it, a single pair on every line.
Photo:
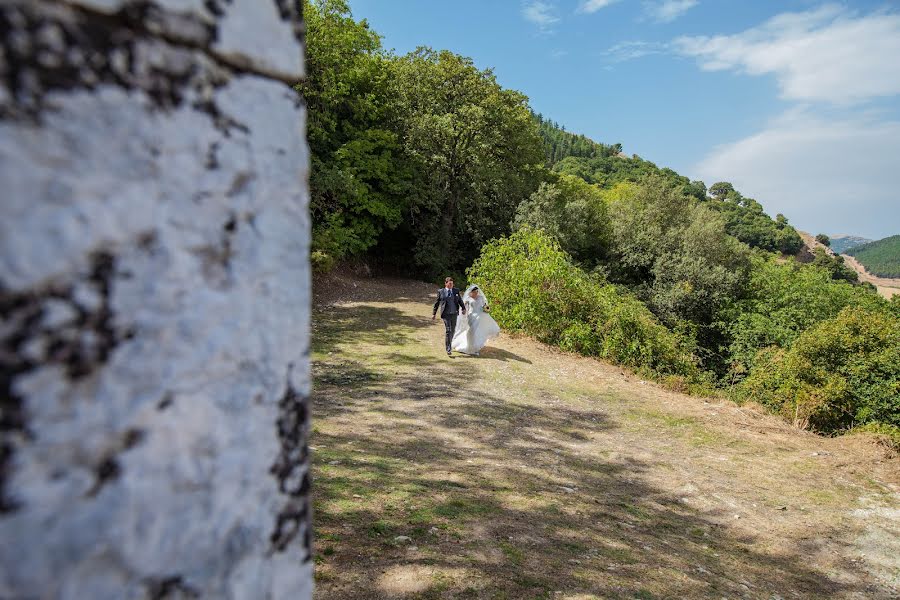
[450,304]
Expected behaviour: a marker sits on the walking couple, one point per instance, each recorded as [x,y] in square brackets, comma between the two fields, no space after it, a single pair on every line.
[469,334]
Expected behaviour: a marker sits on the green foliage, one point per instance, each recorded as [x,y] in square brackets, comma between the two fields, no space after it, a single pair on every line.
[607,171]
[537,290]
[842,372]
[572,212]
[425,144]
[559,143]
[746,220]
[359,182]
[894,305]
[823,239]
[782,300]
[880,258]
[720,190]
[834,264]
[475,149]
[676,254]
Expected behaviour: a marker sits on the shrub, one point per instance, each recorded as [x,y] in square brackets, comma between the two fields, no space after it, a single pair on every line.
[676,253]
[321,262]
[843,372]
[572,212]
[536,289]
[782,301]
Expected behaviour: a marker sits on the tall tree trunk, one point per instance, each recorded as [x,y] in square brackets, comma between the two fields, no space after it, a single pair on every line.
[154,289]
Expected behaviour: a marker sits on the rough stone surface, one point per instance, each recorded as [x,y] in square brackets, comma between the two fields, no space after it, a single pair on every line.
[154,295]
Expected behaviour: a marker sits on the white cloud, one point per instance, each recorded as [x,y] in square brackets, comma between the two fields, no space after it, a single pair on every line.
[668,10]
[832,175]
[592,6]
[540,13]
[823,55]
[635,49]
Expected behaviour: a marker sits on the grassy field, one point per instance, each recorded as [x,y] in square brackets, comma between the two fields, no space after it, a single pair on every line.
[530,473]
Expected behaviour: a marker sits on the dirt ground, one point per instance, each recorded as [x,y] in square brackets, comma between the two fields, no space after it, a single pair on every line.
[532,473]
[886,287]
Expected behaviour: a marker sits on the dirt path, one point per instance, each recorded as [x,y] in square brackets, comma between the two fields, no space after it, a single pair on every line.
[530,473]
[886,287]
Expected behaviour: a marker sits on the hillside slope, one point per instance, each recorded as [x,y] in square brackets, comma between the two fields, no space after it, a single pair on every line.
[881,258]
[531,473]
[886,287]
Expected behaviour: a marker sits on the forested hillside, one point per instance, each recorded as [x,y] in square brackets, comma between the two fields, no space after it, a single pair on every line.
[880,258]
[423,163]
[559,143]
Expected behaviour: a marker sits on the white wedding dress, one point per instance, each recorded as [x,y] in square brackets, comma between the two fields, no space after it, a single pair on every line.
[476,327]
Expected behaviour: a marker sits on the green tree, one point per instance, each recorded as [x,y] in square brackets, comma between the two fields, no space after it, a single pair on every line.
[475,150]
[572,212]
[823,239]
[834,265]
[359,181]
[559,144]
[881,257]
[781,301]
[675,253]
[720,190]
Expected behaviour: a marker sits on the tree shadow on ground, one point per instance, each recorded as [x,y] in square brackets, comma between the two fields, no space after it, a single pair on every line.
[363,324]
[428,486]
[492,353]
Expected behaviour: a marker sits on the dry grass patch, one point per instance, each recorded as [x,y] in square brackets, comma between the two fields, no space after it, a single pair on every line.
[530,473]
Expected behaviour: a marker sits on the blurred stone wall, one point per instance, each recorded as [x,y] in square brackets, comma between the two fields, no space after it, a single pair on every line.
[154,294]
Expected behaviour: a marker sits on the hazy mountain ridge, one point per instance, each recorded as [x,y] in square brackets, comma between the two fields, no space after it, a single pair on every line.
[841,242]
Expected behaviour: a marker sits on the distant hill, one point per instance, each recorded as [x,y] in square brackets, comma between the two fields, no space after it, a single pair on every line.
[559,143]
[840,243]
[881,258]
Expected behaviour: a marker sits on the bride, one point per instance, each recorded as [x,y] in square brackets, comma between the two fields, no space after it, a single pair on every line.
[477,327]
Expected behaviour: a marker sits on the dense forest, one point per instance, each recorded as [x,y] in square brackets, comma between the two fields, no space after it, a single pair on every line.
[880,258]
[559,143]
[422,163]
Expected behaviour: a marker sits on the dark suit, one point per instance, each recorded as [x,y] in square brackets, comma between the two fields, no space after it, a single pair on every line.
[450,303]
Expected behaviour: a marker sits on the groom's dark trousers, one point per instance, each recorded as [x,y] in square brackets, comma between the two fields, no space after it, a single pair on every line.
[450,326]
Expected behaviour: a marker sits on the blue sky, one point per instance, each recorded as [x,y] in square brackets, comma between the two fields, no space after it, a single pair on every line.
[795,102]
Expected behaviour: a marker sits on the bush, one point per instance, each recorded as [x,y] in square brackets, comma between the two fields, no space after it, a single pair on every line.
[321,262]
[675,253]
[536,289]
[782,301]
[572,212]
[834,264]
[843,372]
